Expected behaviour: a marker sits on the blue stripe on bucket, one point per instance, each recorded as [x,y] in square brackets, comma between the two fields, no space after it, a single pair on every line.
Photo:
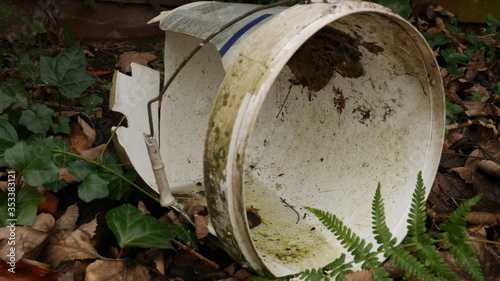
[240,33]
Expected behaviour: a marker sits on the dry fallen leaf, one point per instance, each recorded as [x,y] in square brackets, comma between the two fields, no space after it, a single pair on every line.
[82,136]
[484,219]
[482,182]
[94,152]
[88,131]
[50,205]
[477,62]
[490,167]
[361,275]
[29,239]
[68,242]
[118,270]
[199,213]
[129,57]
[65,175]
[27,270]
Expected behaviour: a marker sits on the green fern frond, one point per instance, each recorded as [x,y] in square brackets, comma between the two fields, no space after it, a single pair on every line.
[416,222]
[357,246]
[380,229]
[311,275]
[409,263]
[417,231]
[455,227]
[455,232]
[387,243]
[465,256]
[338,268]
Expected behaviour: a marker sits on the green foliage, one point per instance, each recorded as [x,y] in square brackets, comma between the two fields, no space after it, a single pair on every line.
[454,233]
[425,262]
[358,247]
[68,38]
[453,59]
[451,110]
[8,135]
[90,102]
[37,119]
[37,27]
[477,96]
[67,72]
[493,25]
[12,94]
[397,254]
[402,7]
[424,244]
[26,136]
[28,69]
[6,11]
[26,204]
[100,179]
[438,39]
[132,228]
[34,160]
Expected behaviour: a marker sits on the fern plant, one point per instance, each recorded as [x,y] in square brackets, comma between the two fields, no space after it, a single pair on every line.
[426,264]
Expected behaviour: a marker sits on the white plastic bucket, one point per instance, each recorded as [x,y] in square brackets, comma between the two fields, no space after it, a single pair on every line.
[311,105]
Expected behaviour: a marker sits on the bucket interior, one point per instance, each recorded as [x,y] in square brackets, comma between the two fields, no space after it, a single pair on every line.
[352,108]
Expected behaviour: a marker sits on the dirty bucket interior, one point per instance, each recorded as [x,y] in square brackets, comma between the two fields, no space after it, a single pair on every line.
[328,139]
[348,102]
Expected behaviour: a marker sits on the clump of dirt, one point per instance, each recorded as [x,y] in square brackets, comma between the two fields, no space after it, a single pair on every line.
[329,50]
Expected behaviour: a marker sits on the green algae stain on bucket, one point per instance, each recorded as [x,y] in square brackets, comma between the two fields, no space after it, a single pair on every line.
[287,236]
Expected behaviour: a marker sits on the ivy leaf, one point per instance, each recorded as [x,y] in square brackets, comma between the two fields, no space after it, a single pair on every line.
[453,29]
[27,68]
[12,94]
[403,8]
[112,160]
[38,119]
[118,186]
[8,135]
[34,161]
[59,158]
[56,185]
[6,11]
[132,228]
[90,103]
[61,125]
[81,169]
[27,202]
[37,27]
[452,109]
[94,182]
[94,186]
[67,71]
[438,39]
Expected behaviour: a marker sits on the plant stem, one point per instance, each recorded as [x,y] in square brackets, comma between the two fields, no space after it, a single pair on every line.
[445,240]
[110,138]
[109,170]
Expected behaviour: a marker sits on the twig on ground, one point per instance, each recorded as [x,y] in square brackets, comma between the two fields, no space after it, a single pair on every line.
[198,255]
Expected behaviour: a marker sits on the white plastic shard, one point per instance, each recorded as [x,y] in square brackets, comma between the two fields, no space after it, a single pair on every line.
[130,96]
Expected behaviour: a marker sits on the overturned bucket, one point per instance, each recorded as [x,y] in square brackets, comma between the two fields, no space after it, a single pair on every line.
[311,105]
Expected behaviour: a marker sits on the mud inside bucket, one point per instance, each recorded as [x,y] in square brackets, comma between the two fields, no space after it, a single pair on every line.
[314,111]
